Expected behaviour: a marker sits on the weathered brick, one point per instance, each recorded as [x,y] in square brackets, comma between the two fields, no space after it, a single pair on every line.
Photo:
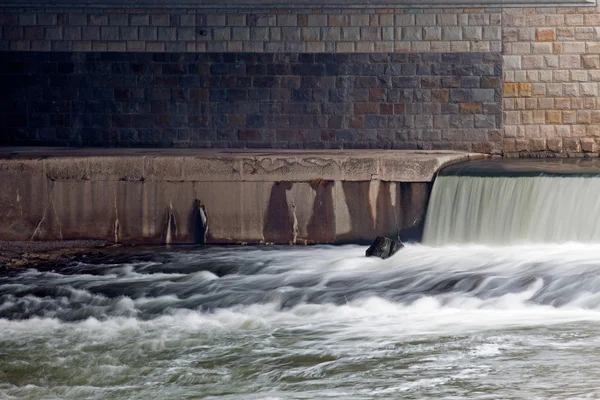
[165,20]
[167,34]
[109,33]
[545,34]
[118,19]
[98,19]
[139,19]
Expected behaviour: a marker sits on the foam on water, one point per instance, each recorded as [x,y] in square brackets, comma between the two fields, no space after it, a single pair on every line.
[300,322]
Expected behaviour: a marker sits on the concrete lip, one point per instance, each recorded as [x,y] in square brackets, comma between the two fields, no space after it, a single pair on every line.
[250,196]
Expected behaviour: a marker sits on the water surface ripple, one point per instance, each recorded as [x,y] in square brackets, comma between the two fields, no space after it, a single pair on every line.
[306,323]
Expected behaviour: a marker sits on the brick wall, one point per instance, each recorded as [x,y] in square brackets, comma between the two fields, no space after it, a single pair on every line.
[285,100]
[551,78]
[330,31]
[549,84]
[352,78]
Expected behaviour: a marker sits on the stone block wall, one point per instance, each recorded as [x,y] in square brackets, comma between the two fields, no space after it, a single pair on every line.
[284,100]
[272,31]
[296,78]
[545,84]
[551,77]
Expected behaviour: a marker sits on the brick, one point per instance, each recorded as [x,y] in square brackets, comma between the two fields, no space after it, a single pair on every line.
[118,19]
[569,61]
[74,19]
[317,20]
[412,33]
[521,48]
[358,20]
[55,33]
[545,35]
[187,20]
[312,34]
[492,33]
[510,89]
[447,19]
[366,108]
[165,20]
[148,33]
[370,33]
[167,34]
[98,19]
[472,33]
[287,20]
[331,33]
[139,19]
[588,89]
[574,47]
[116,46]
[338,20]
[52,19]
[27,19]
[578,75]
[590,61]
[222,33]
[452,33]
[20,45]
[236,20]
[404,19]
[470,108]
[72,33]
[32,32]
[574,20]
[83,45]
[533,62]
[426,19]
[542,48]
[186,34]
[350,33]
[109,33]
[512,62]
[553,117]
[290,34]
[432,33]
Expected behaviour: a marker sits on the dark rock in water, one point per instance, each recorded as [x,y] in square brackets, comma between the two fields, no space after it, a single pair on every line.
[384,247]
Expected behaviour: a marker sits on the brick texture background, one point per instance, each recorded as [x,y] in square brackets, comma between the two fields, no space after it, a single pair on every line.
[330,30]
[286,100]
[551,78]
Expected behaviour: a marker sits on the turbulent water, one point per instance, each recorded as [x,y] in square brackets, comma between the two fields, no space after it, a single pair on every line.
[307,323]
[513,210]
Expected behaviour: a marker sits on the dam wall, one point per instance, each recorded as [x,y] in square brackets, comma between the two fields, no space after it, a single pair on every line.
[155,196]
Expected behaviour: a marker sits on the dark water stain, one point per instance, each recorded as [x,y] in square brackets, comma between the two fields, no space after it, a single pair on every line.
[387,218]
[199,227]
[321,226]
[279,222]
[359,208]
[413,197]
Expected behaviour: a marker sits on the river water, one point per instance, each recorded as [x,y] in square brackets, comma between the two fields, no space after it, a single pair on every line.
[306,323]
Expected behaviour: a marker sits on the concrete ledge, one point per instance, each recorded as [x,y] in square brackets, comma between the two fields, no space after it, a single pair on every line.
[274,196]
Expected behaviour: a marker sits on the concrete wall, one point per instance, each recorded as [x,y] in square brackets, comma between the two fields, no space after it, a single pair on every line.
[132,196]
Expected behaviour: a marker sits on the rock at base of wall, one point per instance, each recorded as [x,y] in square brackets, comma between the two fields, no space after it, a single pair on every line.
[384,247]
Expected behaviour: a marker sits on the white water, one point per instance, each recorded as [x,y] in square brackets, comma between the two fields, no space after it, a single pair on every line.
[307,323]
[513,210]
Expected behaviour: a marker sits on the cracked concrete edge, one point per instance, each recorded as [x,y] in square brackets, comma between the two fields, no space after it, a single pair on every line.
[206,166]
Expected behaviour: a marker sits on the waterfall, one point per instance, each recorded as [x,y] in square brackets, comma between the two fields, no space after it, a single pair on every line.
[513,209]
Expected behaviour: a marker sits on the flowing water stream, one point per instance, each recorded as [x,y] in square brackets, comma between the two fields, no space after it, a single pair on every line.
[512,316]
